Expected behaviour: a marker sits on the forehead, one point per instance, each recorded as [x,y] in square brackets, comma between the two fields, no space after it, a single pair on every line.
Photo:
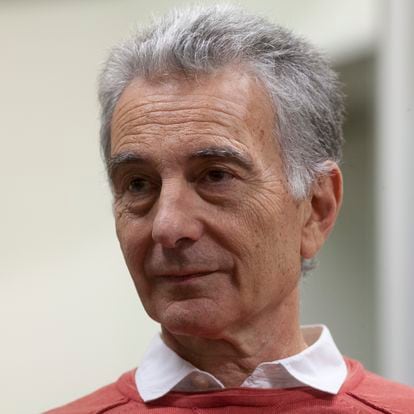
[228,108]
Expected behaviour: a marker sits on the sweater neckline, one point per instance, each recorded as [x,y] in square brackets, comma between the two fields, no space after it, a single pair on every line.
[241,396]
[320,366]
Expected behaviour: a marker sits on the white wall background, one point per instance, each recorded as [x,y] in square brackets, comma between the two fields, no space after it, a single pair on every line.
[395,192]
[69,317]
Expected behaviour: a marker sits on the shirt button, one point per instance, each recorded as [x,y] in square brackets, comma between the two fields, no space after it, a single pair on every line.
[200,382]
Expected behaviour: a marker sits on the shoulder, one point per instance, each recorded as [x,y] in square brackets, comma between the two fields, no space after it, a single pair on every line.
[105,399]
[382,394]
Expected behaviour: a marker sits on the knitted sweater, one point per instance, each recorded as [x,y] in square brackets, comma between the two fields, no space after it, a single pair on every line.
[363,392]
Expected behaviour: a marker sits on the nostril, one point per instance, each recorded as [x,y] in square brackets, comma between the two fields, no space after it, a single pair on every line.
[176,244]
[165,239]
[176,233]
[175,219]
[183,242]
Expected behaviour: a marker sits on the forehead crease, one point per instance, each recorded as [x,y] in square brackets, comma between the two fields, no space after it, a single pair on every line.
[172,103]
[197,121]
[163,128]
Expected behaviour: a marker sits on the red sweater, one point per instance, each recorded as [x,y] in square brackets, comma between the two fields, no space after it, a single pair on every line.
[363,392]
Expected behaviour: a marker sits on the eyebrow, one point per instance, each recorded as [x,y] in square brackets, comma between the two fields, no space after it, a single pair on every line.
[122,159]
[226,153]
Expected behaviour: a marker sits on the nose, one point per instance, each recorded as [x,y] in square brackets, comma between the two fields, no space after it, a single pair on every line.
[176,216]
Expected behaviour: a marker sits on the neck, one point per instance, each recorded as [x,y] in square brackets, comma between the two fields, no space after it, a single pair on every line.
[233,355]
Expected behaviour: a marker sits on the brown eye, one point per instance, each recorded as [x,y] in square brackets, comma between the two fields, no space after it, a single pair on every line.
[138,186]
[217,176]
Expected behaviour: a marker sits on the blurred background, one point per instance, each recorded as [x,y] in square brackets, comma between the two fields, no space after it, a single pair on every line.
[70,319]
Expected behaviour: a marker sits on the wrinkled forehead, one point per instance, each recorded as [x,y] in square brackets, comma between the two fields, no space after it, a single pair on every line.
[229,107]
[230,88]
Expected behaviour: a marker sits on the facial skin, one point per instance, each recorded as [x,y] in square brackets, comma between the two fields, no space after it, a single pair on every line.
[209,231]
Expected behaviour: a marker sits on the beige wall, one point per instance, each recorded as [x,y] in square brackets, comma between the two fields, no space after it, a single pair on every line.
[342,291]
[70,320]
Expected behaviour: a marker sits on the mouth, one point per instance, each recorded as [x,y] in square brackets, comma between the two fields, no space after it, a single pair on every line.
[180,277]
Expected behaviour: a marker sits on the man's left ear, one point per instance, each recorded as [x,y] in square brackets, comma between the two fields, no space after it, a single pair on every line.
[323,206]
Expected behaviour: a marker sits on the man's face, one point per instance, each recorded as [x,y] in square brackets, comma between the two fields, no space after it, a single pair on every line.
[208,229]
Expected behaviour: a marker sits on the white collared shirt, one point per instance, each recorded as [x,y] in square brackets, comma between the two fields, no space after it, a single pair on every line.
[320,366]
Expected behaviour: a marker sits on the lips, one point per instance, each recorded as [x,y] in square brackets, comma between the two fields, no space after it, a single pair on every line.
[184,275]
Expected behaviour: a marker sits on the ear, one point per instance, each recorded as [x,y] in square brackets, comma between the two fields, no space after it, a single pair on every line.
[322,209]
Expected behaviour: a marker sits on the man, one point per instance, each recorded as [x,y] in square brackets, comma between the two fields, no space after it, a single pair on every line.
[222,135]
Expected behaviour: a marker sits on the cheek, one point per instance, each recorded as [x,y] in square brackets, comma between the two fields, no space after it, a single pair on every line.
[271,232]
[131,235]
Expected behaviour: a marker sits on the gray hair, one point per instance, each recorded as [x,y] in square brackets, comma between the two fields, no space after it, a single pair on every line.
[304,90]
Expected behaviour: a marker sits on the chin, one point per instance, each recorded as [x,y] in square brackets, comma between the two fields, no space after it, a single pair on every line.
[191,319]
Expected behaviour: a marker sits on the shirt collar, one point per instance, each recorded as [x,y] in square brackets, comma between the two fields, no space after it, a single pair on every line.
[320,366]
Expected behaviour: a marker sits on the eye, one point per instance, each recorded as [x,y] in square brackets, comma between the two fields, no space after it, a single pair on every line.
[139,185]
[217,176]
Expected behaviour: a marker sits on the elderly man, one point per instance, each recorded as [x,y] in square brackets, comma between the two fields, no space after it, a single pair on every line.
[221,134]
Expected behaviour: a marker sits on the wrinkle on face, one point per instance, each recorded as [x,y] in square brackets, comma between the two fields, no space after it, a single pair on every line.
[156,111]
[193,126]
[249,229]
[154,108]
